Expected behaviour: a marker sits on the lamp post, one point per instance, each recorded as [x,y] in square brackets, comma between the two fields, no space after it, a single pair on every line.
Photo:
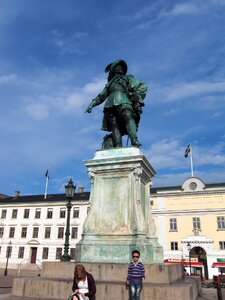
[69,189]
[7,258]
[189,250]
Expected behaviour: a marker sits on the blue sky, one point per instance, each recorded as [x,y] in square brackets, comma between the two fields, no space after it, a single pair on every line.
[52,59]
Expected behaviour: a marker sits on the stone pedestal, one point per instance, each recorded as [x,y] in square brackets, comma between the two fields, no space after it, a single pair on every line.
[119,220]
[163,282]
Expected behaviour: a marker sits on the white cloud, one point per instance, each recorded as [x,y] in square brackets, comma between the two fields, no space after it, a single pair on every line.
[173,179]
[5,79]
[169,153]
[165,153]
[143,12]
[61,101]
[183,90]
[79,100]
[94,87]
[171,112]
[170,179]
[184,8]
[68,44]
[210,156]
[75,102]
[38,111]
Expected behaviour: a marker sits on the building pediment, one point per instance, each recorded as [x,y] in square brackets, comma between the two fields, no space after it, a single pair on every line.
[33,242]
[193,184]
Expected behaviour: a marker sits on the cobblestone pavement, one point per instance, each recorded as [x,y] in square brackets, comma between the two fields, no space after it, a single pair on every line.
[5,284]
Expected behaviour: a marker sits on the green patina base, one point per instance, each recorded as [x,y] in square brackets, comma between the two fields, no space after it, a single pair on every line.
[119,220]
[117,251]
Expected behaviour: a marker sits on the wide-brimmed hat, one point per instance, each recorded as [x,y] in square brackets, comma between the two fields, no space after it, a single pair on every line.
[120,62]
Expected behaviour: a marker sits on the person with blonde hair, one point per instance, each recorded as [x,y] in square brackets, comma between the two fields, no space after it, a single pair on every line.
[84,287]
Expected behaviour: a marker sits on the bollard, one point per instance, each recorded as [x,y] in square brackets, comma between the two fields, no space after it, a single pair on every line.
[219,292]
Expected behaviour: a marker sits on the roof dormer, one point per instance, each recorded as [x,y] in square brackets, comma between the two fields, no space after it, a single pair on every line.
[193,184]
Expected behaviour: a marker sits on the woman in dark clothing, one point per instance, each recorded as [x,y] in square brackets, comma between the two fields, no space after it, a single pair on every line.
[83,284]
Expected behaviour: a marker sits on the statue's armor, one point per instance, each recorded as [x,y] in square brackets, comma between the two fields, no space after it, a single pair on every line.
[121,110]
[117,91]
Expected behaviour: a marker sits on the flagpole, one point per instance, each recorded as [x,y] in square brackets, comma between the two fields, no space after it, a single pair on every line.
[46,183]
[46,187]
[192,170]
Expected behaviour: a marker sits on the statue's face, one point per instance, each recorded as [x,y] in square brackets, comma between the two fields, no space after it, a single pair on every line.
[118,69]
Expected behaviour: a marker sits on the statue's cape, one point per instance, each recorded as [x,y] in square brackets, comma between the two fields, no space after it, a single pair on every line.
[133,85]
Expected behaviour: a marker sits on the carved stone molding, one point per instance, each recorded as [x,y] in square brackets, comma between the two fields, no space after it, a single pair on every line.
[198,242]
[91,175]
[137,171]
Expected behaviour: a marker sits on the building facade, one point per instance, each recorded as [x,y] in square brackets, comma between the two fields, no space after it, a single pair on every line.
[32,228]
[190,223]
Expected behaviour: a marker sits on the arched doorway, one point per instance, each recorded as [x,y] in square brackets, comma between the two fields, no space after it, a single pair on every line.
[200,253]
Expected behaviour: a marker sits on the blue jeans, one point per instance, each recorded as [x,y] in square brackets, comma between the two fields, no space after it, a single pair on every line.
[135,290]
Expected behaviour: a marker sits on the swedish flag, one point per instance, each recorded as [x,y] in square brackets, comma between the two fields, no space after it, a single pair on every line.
[46,174]
[187,151]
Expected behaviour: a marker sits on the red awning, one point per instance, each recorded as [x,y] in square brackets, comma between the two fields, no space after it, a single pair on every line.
[185,263]
[218,265]
[193,263]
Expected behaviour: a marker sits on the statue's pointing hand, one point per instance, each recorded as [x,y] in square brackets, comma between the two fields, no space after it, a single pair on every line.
[89,109]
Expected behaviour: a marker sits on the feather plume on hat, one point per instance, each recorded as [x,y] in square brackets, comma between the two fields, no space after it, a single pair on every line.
[120,62]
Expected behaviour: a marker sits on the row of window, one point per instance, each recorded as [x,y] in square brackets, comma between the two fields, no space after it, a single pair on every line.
[45,252]
[37,215]
[174,245]
[58,253]
[35,234]
[197,223]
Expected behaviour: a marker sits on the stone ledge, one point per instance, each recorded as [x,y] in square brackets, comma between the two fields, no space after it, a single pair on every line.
[154,273]
[185,289]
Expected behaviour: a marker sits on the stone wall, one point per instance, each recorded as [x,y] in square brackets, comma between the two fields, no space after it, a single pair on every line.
[163,282]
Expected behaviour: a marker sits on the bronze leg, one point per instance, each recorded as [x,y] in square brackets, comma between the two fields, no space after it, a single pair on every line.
[117,137]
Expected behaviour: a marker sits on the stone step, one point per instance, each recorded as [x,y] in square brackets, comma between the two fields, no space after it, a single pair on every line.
[187,288]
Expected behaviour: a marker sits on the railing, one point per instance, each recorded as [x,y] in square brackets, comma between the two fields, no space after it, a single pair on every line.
[38,264]
[24,262]
[19,266]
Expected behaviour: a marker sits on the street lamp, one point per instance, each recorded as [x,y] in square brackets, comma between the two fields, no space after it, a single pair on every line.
[69,190]
[189,250]
[7,258]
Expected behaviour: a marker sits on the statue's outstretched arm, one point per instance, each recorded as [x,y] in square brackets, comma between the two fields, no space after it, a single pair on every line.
[98,100]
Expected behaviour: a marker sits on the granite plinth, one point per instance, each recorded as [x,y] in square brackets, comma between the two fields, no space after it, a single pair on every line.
[119,220]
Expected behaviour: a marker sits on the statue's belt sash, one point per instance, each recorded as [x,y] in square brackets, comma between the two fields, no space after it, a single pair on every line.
[117,98]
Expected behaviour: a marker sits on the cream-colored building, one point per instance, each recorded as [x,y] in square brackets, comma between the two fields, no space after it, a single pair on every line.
[191,217]
[32,228]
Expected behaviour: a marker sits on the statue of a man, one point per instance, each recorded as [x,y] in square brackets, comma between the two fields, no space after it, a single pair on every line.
[123,107]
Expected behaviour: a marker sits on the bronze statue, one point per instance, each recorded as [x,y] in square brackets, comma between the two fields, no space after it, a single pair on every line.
[125,98]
